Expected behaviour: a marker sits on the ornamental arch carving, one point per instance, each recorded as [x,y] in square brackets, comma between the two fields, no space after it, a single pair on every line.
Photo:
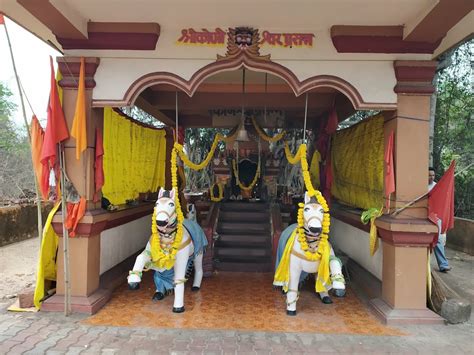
[255,64]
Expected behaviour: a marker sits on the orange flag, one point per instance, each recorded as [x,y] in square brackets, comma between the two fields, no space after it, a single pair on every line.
[56,131]
[75,212]
[441,200]
[79,131]
[389,171]
[37,137]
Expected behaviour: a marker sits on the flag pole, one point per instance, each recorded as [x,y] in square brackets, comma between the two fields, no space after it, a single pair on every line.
[394,213]
[67,288]
[27,127]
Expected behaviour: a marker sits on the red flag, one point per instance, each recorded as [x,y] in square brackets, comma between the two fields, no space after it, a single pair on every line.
[389,171]
[56,131]
[2,20]
[99,163]
[441,200]
[37,136]
[329,177]
[333,122]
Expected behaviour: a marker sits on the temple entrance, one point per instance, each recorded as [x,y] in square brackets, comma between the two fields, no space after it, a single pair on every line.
[253,190]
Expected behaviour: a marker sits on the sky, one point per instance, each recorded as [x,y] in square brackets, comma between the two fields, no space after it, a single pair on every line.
[32,63]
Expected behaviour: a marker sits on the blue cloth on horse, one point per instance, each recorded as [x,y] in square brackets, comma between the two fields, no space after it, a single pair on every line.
[164,280]
[285,235]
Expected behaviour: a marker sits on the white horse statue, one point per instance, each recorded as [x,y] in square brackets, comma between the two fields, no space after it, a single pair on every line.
[191,250]
[299,265]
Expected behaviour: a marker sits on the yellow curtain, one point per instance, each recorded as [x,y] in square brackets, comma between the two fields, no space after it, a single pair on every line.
[357,163]
[134,158]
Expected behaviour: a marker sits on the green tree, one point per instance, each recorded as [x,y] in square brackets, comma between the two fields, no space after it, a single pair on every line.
[453,131]
[16,175]
[8,135]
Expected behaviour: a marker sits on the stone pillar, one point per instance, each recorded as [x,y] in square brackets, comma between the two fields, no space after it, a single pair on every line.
[406,237]
[81,172]
[84,249]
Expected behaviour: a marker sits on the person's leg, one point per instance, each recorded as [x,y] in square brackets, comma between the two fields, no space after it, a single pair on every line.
[440,254]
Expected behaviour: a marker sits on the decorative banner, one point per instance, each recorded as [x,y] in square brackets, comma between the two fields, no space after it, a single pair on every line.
[203,37]
[287,39]
[189,36]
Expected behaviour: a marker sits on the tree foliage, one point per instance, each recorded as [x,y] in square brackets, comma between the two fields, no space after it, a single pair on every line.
[453,130]
[16,175]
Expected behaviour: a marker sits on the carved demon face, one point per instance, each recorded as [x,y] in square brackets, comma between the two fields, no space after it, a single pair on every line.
[243,36]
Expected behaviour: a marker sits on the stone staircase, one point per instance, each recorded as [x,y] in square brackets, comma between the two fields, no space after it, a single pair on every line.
[244,242]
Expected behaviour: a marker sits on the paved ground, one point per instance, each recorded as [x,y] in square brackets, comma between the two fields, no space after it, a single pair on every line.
[52,333]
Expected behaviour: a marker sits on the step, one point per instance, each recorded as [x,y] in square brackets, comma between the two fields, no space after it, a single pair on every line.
[239,240]
[254,216]
[244,206]
[229,264]
[244,228]
[242,253]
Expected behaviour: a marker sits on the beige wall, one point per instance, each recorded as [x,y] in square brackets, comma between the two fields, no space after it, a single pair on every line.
[355,243]
[373,79]
[117,244]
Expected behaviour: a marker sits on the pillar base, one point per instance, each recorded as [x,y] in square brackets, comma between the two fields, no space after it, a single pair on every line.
[86,305]
[394,316]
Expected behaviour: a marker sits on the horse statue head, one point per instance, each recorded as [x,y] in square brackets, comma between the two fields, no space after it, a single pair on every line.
[313,214]
[165,208]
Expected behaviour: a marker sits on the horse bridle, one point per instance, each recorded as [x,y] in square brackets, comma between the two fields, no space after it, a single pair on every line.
[170,217]
[309,236]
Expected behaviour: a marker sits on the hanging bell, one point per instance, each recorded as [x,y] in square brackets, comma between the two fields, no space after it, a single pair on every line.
[242,135]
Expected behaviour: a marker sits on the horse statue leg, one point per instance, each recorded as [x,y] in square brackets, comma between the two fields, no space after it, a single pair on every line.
[337,278]
[135,276]
[293,293]
[180,266]
[198,273]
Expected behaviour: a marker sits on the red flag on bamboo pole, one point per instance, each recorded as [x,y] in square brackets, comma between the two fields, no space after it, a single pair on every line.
[37,137]
[79,130]
[389,171]
[99,163]
[441,200]
[56,131]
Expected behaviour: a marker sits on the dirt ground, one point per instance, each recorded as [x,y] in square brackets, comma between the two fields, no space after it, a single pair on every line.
[17,268]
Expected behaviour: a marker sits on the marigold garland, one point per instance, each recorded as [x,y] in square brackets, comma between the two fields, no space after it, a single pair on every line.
[218,137]
[221,192]
[205,162]
[255,178]
[227,139]
[312,256]
[266,137]
[300,156]
[293,159]
[165,258]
